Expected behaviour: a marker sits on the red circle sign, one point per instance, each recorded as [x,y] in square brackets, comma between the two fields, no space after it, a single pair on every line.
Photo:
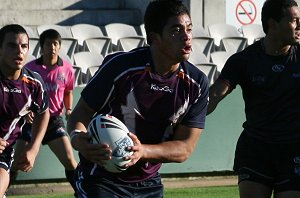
[246,12]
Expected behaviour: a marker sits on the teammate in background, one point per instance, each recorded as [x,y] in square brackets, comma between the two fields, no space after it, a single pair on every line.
[267,157]
[21,91]
[58,76]
[157,94]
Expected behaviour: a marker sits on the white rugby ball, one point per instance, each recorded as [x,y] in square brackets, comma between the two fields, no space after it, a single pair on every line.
[107,129]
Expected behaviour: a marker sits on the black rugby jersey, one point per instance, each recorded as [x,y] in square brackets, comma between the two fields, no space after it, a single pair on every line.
[17,97]
[271,91]
[149,104]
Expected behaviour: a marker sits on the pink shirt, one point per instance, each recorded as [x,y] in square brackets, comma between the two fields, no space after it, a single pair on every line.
[57,81]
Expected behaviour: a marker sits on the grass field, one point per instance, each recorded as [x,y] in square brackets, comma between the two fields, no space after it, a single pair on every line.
[199,192]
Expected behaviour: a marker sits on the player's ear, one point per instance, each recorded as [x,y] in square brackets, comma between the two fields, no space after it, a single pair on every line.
[154,37]
[272,23]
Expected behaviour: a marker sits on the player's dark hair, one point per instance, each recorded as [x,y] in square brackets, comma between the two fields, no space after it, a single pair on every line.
[158,13]
[275,9]
[49,34]
[14,28]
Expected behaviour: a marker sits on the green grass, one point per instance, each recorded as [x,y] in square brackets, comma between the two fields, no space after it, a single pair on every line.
[201,192]
[69,195]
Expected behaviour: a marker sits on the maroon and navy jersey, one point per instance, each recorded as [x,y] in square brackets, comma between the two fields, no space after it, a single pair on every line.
[271,91]
[18,97]
[150,105]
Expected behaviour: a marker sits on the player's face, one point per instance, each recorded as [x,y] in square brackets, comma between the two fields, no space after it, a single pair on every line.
[51,48]
[14,50]
[289,26]
[176,39]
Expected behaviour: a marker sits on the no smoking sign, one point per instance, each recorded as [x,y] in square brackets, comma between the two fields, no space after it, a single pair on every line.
[246,12]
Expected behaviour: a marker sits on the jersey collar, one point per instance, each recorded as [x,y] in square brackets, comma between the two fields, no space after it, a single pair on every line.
[39,61]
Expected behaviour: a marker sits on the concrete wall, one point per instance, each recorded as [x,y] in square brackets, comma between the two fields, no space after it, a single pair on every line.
[214,12]
[98,12]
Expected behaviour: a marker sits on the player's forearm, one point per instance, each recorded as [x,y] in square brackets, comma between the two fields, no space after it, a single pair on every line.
[80,117]
[171,151]
[39,128]
[68,100]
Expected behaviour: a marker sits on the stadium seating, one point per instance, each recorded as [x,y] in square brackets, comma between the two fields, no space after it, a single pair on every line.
[78,75]
[91,71]
[203,44]
[198,58]
[82,32]
[69,47]
[115,31]
[64,31]
[124,37]
[99,45]
[222,30]
[233,44]
[31,31]
[84,60]
[30,57]
[210,70]
[219,58]
[129,43]
[252,32]
[34,46]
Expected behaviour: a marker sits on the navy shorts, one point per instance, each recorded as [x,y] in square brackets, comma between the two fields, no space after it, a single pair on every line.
[7,158]
[89,186]
[55,129]
[274,165]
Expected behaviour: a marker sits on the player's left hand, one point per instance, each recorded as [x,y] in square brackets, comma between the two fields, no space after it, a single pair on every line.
[138,151]
[26,160]
[68,113]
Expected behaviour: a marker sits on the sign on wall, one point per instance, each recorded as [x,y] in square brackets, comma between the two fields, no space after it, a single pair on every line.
[243,12]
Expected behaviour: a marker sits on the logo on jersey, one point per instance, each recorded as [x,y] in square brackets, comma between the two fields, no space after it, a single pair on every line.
[296,76]
[158,88]
[297,160]
[13,90]
[297,165]
[61,77]
[258,79]
[278,68]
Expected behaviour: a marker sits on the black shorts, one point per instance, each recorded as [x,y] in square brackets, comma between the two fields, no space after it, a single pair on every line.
[55,129]
[7,158]
[274,165]
[89,186]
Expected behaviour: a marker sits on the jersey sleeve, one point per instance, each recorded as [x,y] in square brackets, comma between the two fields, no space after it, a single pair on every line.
[232,70]
[196,114]
[100,88]
[70,76]
[40,96]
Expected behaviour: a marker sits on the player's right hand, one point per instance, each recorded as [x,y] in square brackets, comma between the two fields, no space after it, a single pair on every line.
[29,117]
[95,153]
[3,145]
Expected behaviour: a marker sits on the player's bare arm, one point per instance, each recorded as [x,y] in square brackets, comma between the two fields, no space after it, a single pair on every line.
[217,92]
[26,161]
[68,102]
[185,138]
[79,120]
